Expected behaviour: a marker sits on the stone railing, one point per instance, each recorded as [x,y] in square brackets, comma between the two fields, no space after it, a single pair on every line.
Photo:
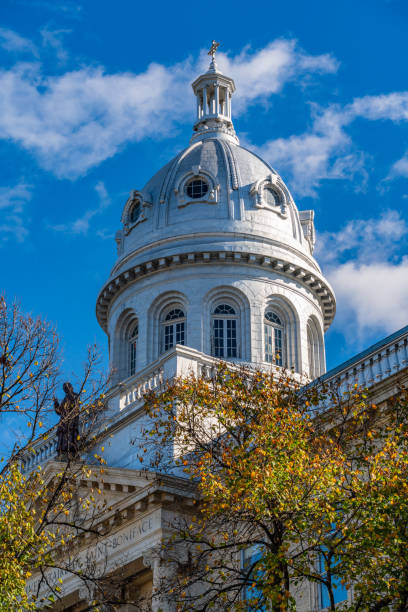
[127,397]
[42,451]
[376,364]
[180,361]
[133,390]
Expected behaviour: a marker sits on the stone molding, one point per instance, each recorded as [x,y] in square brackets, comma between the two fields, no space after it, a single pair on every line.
[211,197]
[275,184]
[129,522]
[265,241]
[313,281]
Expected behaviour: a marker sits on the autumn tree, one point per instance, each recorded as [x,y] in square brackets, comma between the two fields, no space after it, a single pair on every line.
[375,553]
[45,513]
[293,485]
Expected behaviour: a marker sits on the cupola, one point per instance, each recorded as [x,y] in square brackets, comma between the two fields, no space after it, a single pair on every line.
[213,92]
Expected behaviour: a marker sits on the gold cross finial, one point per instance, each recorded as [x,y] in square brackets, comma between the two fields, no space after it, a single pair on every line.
[213,50]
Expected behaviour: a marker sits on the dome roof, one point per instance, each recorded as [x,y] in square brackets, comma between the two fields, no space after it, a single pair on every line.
[231,165]
[241,191]
[215,201]
[214,186]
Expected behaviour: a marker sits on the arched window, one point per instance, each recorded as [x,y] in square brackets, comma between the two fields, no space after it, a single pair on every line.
[274,331]
[173,329]
[132,349]
[224,332]
[124,343]
[315,349]
[135,211]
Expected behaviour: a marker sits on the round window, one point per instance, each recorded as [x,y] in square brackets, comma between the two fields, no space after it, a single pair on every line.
[271,197]
[135,212]
[196,188]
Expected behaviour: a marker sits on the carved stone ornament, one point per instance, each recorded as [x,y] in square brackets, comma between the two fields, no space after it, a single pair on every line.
[259,193]
[136,199]
[211,195]
[151,557]
[119,242]
[307,223]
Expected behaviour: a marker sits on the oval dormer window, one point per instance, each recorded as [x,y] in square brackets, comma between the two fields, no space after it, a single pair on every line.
[196,188]
[271,197]
[135,211]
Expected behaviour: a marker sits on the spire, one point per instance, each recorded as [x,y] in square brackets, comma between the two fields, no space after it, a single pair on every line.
[213,91]
[212,52]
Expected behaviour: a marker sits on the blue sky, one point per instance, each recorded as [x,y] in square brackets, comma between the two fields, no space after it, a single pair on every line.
[95,97]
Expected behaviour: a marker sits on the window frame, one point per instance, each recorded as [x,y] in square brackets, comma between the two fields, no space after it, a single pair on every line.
[132,341]
[135,200]
[272,331]
[315,348]
[277,187]
[277,199]
[228,331]
[137,204]
[210,196]
[167,324]
[196,179]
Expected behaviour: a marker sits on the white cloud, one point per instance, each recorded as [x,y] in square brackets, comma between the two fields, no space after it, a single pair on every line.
[326,151]
[368,240]
[368,276]
[399,168]
[81,225]
[13,201]
[371,297]
[52,39]
[74,121]
[393,106]
[258,75]
[15,197]
[14,43]
[321,153]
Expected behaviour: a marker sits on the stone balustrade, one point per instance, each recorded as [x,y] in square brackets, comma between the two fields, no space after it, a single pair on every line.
[43,450]
[135,388]
[376,364]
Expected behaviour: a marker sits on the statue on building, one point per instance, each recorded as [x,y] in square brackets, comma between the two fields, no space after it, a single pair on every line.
[68,426]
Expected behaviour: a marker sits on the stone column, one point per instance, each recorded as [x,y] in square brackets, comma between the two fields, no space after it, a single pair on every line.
[198,105]
[205,109]
[217,100]
[163,571]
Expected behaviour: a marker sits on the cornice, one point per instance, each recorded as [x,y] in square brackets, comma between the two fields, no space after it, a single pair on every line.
[313,281]
[233,235]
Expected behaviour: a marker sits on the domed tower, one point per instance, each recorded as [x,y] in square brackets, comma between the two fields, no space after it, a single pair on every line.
[215,257]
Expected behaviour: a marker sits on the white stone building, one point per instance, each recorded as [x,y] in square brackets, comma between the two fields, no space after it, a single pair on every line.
[214,261]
